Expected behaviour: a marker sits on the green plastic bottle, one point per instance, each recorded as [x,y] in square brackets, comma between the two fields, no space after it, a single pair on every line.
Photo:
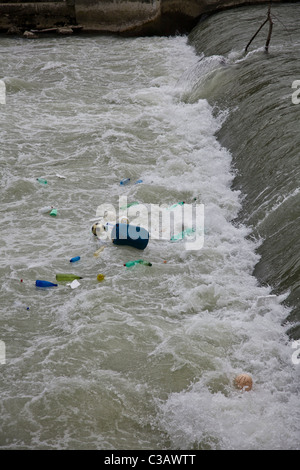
[130,204]
[53,213]
[137,261]
[67,277]
[183,234]
[176,205]
[42,180]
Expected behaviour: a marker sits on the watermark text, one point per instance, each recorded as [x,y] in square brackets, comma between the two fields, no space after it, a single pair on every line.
[2,92]
[179,222]
[2,353]
[296,354]
[296,94]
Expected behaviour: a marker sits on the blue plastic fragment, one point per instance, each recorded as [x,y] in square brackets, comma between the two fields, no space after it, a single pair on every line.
[76,258]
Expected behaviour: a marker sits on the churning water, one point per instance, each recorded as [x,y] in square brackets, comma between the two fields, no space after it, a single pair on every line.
[146,358]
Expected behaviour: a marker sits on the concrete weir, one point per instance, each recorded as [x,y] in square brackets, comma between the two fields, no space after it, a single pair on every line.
[126,17]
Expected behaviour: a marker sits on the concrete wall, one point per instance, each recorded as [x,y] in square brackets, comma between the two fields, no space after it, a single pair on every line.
[127,17]
[27,15]
[118,15]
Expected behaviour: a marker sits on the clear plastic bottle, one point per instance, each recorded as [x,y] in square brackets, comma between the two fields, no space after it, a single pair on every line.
[124,181]
[97,252]
[45,210]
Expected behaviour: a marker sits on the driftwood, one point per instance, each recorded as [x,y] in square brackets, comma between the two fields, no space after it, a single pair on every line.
[268,20]
[61,30]
[46,30]
[270,30]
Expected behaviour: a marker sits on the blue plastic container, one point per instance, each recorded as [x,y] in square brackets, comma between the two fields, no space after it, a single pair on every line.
[131,235]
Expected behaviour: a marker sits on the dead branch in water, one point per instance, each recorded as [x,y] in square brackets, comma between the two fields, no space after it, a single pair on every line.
[268,20]
[270,30]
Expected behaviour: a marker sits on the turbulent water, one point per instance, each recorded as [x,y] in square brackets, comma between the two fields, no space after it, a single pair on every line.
[146,358]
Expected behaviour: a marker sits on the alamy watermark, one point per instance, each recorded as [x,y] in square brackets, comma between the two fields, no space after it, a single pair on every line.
[296,94]
[2,353]
[174,223]
[2,92]
[296,354]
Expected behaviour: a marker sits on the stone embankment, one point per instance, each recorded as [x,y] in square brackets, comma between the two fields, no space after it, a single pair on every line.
[126,17]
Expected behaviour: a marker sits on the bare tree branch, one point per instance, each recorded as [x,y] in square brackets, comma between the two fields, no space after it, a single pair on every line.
[268,20]
[270,30]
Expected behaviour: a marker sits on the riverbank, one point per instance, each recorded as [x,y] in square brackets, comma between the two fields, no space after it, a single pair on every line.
[128,18]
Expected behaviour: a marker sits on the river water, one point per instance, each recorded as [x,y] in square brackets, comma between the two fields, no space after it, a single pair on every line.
[146,358]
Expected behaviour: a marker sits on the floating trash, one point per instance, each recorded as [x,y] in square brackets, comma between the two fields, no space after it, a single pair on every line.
[130,204]
[76,258]
[97,253]
[53,213]
[124,181]
[182,235]
[125,234]
[40,283]
[67,277]
[46,209]
[137,261]
[42,181]
[74,284]
[176,205]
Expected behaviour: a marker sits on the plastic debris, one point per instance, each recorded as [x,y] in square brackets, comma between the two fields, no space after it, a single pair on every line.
[74,284]
[46,209]
[137,261]
[100,277]
[243,382]
[138,181]
[176,205]
[40,283]
[53,213]
[42,180]
[67,277]
[76,258]
[124,181]
[182,235]
[97,253]
[125,234]
[130,204]
[23,306]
